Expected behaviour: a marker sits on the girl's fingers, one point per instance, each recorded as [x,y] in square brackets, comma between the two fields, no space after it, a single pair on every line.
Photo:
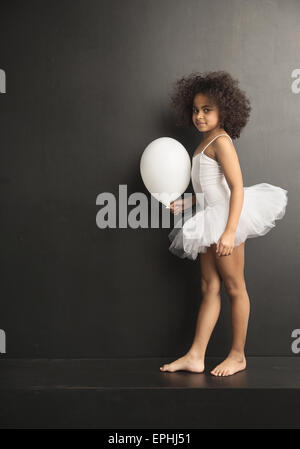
[220,249]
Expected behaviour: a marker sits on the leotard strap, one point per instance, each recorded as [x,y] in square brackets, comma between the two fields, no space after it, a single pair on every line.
[213,140]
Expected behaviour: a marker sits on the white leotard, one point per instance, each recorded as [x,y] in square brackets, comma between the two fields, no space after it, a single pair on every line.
[208,178]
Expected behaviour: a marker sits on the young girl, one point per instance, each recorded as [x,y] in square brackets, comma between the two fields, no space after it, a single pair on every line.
[227,213]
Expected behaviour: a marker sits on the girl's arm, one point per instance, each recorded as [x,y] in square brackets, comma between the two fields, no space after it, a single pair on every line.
[235,208]
[228,158]
[183,203]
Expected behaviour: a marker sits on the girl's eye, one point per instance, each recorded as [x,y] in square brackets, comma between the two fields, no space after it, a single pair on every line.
[206,110]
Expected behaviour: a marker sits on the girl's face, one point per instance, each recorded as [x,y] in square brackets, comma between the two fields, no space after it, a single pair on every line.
[205,114]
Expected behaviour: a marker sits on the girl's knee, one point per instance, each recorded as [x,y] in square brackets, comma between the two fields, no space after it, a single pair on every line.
[234,287]
[212,285]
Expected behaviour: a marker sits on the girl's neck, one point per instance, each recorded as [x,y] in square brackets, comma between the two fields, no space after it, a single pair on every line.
[213,133]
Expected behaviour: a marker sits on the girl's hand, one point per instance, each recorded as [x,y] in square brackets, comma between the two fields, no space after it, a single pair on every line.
[180,204]
[225,244]
[177,206]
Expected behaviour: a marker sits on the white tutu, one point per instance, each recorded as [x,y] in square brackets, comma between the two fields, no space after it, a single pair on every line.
[202,226]
[263,204]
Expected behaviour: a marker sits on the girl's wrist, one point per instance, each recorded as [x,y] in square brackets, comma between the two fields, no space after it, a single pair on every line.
[189,201]
[230,230]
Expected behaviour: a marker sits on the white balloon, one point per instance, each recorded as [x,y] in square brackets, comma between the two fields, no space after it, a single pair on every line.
[165,169]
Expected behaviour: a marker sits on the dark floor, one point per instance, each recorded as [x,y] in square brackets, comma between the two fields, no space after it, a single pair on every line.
[134,393]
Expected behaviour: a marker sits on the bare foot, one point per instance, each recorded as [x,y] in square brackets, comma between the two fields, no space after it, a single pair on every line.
[186,363]
[231,365]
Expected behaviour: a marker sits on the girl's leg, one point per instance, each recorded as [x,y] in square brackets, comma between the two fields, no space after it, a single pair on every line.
[208,315]
[210,305]
[231,269]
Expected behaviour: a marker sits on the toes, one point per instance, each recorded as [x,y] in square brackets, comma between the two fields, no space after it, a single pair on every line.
[222,371]
[164,368]
[218,371]
[214,371]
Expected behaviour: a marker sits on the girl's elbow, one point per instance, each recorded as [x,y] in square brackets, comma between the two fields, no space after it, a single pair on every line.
[237,188]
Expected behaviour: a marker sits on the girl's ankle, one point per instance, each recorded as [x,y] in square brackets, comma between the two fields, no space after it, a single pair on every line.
[240,355]
[195,355]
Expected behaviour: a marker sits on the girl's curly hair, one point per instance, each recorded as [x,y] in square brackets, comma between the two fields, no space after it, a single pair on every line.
[222,89]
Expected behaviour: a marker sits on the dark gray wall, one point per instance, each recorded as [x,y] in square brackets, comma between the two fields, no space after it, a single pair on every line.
[87,90]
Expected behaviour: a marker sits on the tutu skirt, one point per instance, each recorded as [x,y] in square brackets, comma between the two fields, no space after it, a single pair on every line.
[263,204]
